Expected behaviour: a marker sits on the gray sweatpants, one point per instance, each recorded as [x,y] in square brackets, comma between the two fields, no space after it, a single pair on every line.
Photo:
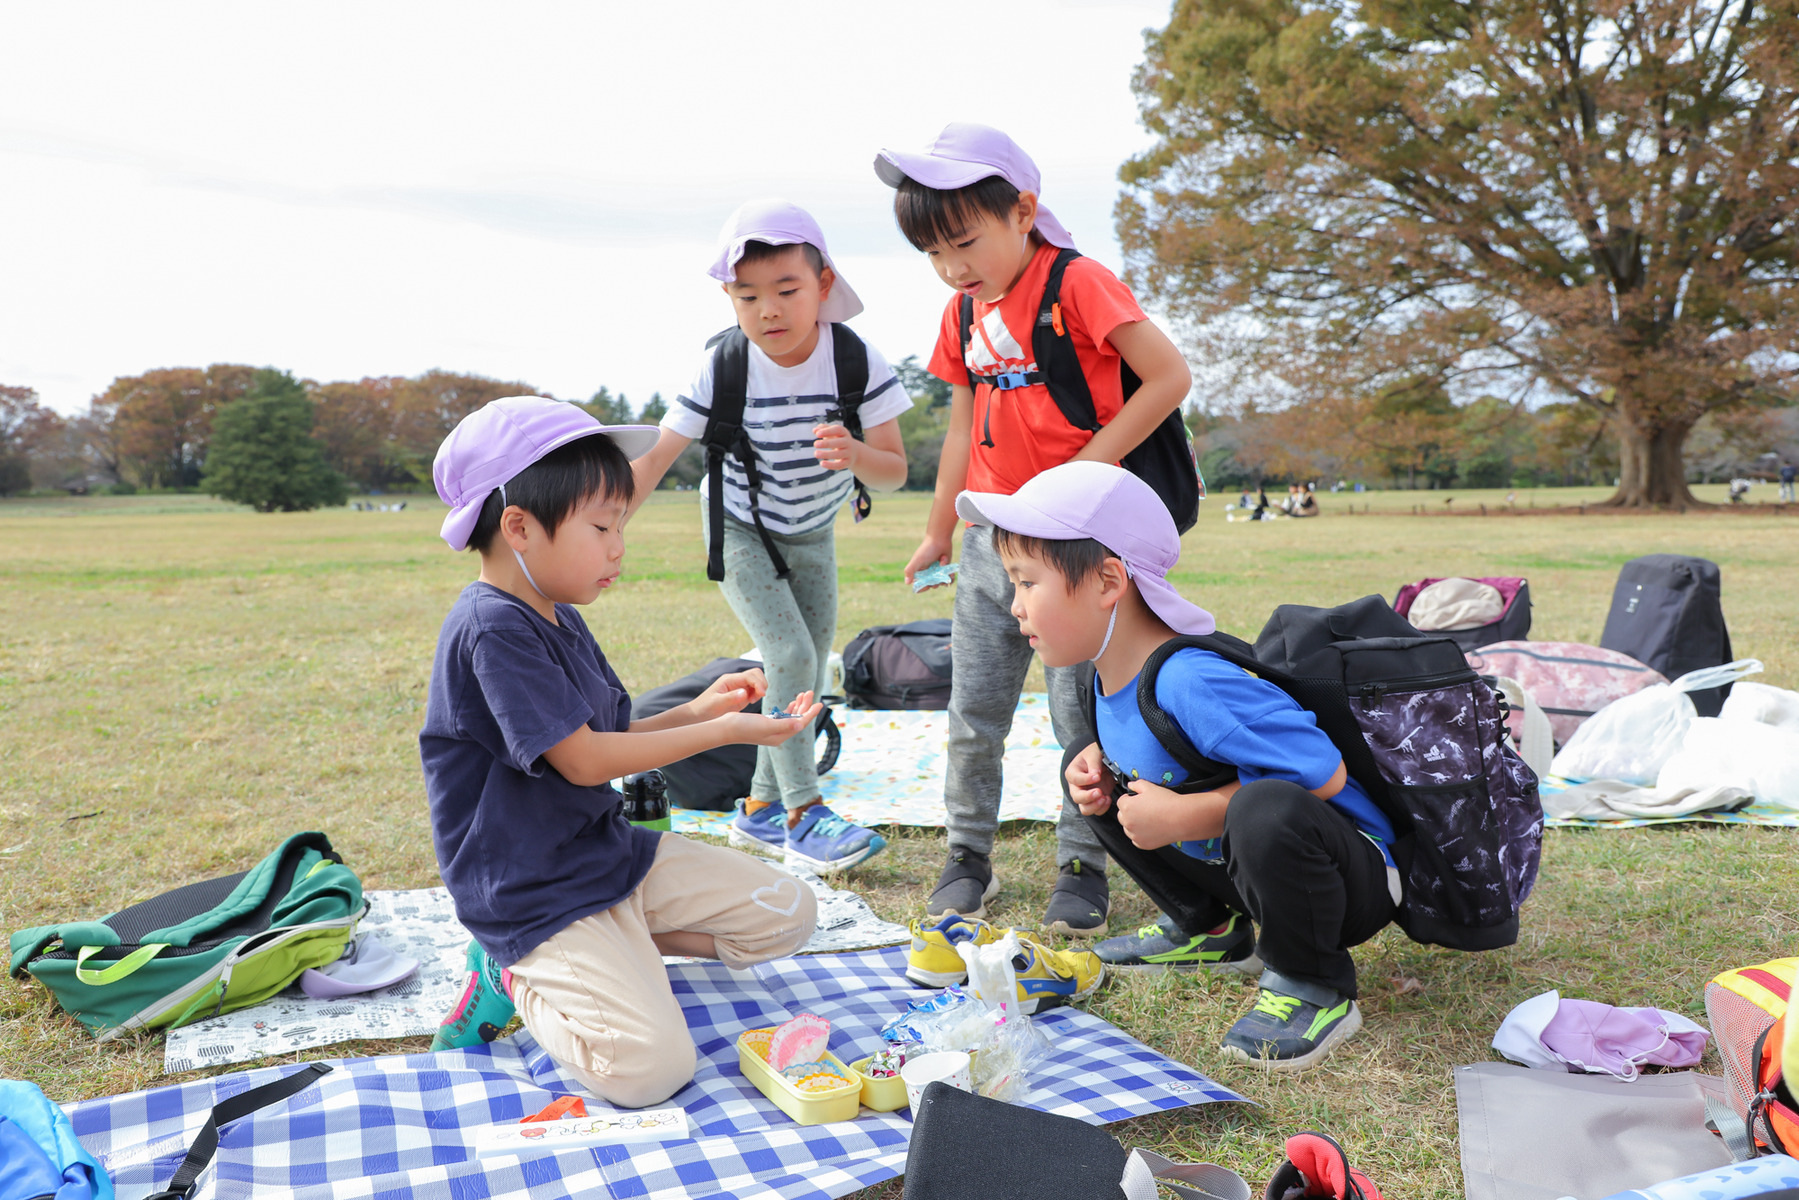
[992,658]
[792,621]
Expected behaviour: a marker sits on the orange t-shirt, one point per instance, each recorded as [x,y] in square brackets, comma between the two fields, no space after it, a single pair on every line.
[1028,432]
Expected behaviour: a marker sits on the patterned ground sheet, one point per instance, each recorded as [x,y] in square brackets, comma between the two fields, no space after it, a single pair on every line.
[422,925]
[891,770]
[399,1127]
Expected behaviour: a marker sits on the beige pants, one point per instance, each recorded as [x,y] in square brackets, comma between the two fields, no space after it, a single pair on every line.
[596,995]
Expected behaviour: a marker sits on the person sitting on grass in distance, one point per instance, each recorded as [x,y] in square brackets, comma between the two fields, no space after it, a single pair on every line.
[571,906]
[970,204]
[787,296]
[1291,843]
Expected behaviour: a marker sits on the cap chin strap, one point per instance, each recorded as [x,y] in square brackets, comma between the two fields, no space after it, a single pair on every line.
[1112,621]
[533,582]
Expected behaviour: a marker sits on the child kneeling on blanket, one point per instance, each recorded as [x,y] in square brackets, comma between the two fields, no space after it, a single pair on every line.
[572,907]
[1292,843]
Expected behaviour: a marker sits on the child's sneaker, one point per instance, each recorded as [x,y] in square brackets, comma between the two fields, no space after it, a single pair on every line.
[761,832]
[1051,978]
[965,886]
[824,841]
[933,961]
[1162,946]
[1293,1025]
[485,1007]
[1079,904]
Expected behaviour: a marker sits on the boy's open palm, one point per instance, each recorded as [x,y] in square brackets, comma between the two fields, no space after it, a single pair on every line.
[730,693]
[757,730]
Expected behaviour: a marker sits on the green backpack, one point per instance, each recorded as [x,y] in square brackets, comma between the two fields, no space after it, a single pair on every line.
[202,949]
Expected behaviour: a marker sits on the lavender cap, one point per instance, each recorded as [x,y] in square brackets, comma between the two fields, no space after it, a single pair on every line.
[503,437]
[1111,506]
[780,224]
[965,153]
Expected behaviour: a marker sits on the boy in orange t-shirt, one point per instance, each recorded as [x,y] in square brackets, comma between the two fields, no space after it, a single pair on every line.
[970,203]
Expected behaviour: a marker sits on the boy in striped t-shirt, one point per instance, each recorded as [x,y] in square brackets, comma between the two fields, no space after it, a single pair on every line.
[786,294]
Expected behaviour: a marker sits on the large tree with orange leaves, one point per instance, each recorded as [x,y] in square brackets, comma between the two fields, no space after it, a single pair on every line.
[1594,200]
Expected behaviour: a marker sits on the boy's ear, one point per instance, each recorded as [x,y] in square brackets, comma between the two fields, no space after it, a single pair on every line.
[1113,579]
[1026,212]
[826,277]
[512,526]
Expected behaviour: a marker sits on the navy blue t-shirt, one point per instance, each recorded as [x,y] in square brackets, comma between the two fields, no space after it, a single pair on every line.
[523,851]
[1231,717]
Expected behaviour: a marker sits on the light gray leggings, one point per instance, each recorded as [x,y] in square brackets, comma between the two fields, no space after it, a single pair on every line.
[792,621]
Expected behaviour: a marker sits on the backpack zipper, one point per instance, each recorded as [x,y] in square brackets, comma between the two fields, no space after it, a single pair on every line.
[1372,693]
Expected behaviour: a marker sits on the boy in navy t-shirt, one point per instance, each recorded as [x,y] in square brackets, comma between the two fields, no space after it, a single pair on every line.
[572,907]
[1291,842]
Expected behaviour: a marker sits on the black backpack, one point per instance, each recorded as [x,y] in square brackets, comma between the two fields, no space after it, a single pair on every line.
[725,433]
[1666,613]
[1164,459]
[1424,736]
[899,666]
[718,778]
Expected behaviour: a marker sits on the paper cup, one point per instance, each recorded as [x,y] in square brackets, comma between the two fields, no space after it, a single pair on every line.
[950,1066]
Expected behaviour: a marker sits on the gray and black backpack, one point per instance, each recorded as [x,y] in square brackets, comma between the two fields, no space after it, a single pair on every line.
[1425,737]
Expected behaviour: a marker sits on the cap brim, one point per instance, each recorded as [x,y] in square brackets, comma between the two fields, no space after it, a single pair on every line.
[635,440]
[1012,514]
[896,166]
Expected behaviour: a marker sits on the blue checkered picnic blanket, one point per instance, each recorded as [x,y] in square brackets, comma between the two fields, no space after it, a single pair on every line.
[396,1127]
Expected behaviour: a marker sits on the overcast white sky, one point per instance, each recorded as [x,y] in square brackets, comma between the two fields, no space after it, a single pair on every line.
[528,191]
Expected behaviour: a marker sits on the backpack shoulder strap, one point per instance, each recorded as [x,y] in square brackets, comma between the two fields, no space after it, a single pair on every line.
[1203,774]
[1054,351]
[850,356]
[206,1143]
[724,436]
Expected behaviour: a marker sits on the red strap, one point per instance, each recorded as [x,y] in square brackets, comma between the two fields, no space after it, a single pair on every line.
[1769,980]
[555,1110]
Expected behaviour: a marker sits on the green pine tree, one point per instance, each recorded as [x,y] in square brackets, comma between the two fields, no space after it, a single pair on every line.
[263,454]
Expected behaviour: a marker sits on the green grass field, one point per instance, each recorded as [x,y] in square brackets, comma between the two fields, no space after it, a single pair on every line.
[183,683]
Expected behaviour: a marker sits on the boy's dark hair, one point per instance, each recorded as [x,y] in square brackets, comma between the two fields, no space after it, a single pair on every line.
[552,487]
[1077,559]
[930,216]
[754,252]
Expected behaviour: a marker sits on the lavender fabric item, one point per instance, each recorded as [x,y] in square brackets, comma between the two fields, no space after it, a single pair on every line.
[779,223]
[502,438]
[965,153]
[367,965]
[1587,1036]
[1113,507]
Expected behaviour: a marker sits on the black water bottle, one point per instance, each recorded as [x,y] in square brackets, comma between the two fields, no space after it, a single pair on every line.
[646,800]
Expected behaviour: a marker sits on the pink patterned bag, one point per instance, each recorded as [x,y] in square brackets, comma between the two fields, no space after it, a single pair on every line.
[1569,680]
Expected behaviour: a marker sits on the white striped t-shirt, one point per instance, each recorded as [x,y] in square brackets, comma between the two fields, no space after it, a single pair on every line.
[781,406]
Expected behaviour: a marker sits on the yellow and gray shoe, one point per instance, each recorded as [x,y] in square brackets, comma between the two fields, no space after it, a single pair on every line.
[933,961]
[1046,978]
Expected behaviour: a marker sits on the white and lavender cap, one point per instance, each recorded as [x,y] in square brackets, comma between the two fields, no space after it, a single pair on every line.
[780,224]
[1111,506]
[503,437]
[965,153]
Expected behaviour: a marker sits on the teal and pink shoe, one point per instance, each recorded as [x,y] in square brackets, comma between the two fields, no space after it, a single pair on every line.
[485,1008]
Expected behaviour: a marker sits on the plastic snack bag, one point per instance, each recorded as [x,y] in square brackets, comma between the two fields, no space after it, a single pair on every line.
[1630,739]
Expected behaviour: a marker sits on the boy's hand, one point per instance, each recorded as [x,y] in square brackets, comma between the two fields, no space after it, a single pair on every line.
[834,448]
[754,729]
[1087,782]
[931,550]
[1152,816]
[730,693]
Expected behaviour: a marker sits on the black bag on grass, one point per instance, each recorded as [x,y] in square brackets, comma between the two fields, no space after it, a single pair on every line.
[717,779]
[1667,614]
[899,666]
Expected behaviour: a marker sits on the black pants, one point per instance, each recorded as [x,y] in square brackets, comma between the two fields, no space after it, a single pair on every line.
[1302,871]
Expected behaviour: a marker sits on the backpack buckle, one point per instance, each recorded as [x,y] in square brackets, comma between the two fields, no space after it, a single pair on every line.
[1011,379]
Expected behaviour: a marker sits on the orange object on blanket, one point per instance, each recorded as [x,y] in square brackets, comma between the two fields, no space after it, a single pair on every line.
[560,1107]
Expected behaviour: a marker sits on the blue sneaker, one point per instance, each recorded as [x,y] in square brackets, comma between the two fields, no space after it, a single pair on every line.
[824,841]
[485,1008]
[761,832]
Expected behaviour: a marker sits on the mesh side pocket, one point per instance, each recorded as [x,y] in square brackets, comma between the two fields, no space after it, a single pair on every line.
[1736,1024]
